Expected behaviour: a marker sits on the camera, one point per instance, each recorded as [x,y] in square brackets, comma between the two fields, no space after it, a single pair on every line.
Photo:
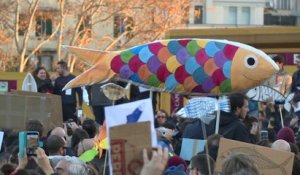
[30,141]
[68,124]
[264,135]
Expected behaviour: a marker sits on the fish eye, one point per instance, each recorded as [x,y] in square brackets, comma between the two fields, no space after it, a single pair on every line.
[250,62]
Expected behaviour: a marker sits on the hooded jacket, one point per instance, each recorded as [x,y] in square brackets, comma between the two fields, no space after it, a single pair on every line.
[232,128]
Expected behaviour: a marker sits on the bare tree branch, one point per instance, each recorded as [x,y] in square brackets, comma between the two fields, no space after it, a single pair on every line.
[40,45]
[17,15]
[60,37]
[26,36]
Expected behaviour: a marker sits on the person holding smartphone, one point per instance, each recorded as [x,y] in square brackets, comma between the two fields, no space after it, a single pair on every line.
[28,141]
[41,160]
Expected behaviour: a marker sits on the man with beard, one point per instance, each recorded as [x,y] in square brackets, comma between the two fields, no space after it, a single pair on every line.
[231,124]
[68,97]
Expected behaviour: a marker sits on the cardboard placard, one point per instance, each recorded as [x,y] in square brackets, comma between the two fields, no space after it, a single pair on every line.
[17,107]
[126,145]
[269,161]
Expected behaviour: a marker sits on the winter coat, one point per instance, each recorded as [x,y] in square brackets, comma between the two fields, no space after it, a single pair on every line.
[231,127]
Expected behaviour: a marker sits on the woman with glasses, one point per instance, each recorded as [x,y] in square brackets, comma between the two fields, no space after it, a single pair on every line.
[161,117]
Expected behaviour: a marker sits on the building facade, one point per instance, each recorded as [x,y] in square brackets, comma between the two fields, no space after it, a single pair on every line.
[218,13]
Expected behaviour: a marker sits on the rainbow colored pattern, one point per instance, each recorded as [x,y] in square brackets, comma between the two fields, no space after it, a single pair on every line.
[186,65]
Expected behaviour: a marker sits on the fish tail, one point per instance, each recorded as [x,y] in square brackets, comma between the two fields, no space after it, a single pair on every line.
[288,101]
[99,73]
[283,164]
[127,91]
[224,104]
[88,56]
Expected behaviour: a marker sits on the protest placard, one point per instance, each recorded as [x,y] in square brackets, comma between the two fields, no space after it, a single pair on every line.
[126,145]
[17,107]
[190,147]
[137,111]
[269,161]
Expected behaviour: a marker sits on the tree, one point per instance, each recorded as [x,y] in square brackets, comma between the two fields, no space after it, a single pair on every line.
[18,19]
[100,24]
[140,22]
[21,44]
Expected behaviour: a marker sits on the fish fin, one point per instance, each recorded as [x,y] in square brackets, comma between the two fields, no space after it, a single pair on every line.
[88,56]
[289,97]
[288,103]
[283,164]
[99,73]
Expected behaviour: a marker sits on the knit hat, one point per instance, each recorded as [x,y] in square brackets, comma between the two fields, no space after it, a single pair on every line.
[175,170]
[176,161]
[286,134]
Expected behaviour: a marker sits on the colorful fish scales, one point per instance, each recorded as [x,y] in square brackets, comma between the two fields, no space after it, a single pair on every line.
[187,65]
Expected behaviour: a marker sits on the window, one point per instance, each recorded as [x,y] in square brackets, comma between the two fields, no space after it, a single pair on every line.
[43,26]
[46,61]
[232,15]
[269,19]
[198,14]
[284,4]
[23,24]
[245,16]
[122,24]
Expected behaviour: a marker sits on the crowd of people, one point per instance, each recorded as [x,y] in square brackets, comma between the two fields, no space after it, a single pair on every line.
[64,146]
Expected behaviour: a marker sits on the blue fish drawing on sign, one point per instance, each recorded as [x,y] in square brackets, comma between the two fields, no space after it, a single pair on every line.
[135,115]
[204,107]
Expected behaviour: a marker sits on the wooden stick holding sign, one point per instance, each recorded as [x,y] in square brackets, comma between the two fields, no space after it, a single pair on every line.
[217,122]
[206,146]
[280,112]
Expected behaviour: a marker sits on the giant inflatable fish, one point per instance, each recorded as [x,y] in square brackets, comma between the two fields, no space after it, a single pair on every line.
[187,66]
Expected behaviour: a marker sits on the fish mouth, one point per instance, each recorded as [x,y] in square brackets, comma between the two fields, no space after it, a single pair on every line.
[244,75]
[252,96]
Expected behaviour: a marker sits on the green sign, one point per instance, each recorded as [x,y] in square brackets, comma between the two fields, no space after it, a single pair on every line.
[3,86]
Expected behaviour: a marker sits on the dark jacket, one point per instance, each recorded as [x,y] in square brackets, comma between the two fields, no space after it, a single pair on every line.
[193,130]
[60,83]
[96,96]
[232,128]
[44,86]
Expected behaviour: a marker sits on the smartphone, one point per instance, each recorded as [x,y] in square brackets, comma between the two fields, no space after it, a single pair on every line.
[30,141]
[79,113]
[264,135]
